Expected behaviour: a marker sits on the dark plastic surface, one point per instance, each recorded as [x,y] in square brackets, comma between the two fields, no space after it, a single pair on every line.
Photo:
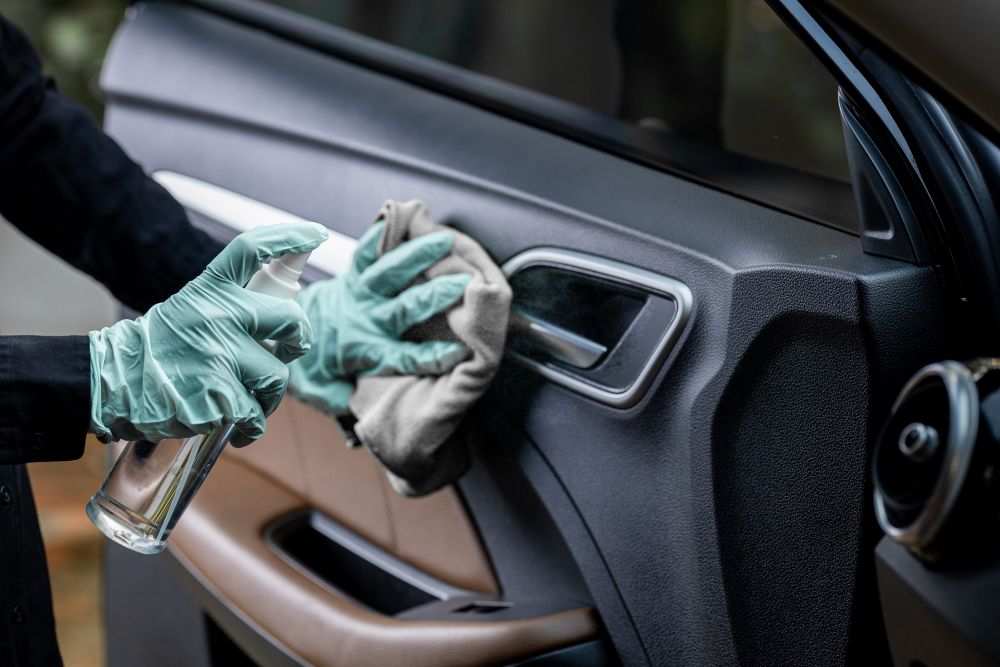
[939,618]
[722,519]
[950,169]
[887,221]
[962,198]
[166,633]
[591,654]
[223,649]
[526,546]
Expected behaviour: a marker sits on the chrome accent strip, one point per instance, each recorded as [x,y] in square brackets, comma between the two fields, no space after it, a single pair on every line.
[241,213]
[600,267]
[555,341]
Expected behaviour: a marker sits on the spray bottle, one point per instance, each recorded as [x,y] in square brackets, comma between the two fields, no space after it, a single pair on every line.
[151,483]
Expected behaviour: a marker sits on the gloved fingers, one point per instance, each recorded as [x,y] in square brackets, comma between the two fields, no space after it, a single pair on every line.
[330,397]
[434,357]
[280,320]
[264,377]
[356,357]
[421,302]
[246,413]
[367,251]
[245,254]
[392,272]
[240,439]
[286,352]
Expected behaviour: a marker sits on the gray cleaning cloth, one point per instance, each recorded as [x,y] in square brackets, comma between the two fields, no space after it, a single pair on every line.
[412,424]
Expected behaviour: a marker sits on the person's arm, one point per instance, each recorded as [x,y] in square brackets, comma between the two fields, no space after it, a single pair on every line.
[44,397]
[72,189]
[190,364]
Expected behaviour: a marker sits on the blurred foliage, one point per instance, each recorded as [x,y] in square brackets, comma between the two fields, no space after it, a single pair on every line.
[71,36]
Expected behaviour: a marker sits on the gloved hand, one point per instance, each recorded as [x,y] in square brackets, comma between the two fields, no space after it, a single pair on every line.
[195,360]
[359,317]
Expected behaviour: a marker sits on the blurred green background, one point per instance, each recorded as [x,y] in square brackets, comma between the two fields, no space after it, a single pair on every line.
[71,36]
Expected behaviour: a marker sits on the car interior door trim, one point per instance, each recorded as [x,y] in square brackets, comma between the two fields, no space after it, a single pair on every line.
[328,530]
[560,343]
[223,542]
[242,213]
[702,486]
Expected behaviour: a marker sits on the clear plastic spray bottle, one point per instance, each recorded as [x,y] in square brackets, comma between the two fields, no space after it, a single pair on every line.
[151,483]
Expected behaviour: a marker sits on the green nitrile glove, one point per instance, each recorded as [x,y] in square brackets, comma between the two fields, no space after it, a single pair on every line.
[358,318]
[195,360]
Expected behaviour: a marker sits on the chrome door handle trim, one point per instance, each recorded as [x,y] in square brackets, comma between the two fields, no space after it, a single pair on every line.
[608,269]
[555,341]
[241,213]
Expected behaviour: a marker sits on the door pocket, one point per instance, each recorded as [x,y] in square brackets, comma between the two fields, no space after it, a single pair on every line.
[338,557]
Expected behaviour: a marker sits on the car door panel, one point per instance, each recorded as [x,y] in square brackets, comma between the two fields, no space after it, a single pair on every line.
[719,518]
[303,451]
[222,545]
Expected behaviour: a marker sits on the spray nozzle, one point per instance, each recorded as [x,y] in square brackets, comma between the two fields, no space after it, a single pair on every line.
[294,262]
[280,276]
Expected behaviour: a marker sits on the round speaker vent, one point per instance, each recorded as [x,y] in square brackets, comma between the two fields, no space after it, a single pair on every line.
[935,461]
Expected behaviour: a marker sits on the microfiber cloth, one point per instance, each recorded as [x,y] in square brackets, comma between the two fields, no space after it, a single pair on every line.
[412,424]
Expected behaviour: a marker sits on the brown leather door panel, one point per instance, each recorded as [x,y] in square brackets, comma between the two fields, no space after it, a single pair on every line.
[304,452]
[302,464]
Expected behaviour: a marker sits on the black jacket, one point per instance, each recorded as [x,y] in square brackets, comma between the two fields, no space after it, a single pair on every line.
[70,188]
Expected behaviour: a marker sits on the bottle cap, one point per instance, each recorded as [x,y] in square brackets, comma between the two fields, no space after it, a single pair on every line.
[280,276]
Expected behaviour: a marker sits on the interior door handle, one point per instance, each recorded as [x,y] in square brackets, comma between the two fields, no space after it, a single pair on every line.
[617,323]
[555,341]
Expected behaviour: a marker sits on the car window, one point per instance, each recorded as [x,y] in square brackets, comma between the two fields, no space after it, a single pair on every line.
[721,91]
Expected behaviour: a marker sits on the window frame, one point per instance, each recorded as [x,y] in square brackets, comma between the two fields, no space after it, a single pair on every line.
[826,201]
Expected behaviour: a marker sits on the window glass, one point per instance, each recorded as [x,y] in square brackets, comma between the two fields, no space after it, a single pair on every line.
[716,89]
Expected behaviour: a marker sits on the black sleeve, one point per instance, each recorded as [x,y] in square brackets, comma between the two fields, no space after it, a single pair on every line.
[44,398]
[68,186]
